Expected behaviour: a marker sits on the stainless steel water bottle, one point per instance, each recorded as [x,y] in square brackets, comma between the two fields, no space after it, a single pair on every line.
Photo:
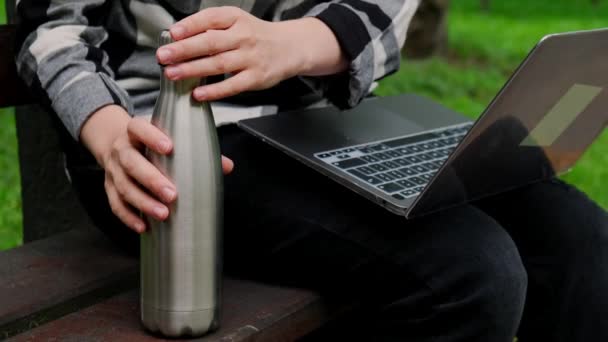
[180,257]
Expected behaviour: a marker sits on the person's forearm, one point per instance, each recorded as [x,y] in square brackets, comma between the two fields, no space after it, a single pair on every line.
[314,45]
[101,129]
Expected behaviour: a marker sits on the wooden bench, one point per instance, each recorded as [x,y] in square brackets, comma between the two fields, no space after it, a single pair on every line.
[76,285]
[69,282]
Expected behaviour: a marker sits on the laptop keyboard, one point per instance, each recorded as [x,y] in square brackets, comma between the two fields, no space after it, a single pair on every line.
[400,167]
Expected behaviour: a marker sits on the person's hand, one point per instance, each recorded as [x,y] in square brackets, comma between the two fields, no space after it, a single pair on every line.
[259,54]
[132,183]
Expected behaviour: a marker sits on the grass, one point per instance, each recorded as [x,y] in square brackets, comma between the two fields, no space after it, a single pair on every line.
[10,188]
[484,49]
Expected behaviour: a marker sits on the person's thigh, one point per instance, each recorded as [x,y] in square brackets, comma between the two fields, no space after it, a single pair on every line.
[562,237]
[455,274]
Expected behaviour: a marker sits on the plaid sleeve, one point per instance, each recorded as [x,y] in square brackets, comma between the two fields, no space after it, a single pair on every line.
[59,53]
[371,34]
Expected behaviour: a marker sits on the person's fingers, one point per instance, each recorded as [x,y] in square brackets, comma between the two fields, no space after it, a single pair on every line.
[223,63]
[122,210]
[213,18]
[135,196]
[243,81]
[143,172]
[142,131]
[204,44]
[227,165]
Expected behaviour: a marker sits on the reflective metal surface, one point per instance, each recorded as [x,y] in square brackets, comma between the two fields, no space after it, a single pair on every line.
[180,257]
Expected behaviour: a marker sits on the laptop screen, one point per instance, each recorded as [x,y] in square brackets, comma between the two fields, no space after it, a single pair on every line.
[538,126]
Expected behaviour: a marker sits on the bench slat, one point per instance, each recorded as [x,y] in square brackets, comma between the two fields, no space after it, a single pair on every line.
[251,311]
[48,278]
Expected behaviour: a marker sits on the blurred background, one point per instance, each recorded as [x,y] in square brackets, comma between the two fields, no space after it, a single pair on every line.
[458,52]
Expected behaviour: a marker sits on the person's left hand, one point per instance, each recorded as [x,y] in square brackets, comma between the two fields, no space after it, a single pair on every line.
[260,54]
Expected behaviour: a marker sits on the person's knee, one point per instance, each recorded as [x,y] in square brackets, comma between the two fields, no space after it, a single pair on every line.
[499,290]
[486,277]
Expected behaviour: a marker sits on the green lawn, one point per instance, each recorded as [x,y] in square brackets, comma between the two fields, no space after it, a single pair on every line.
[484,49]
[10,190]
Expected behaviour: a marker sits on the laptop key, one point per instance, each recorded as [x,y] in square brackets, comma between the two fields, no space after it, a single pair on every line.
[395,174]
[417,180]
[367,150]
[378,167]
[424,156]
[370,179]
[425,146]
[408,193]
[390,187]
[413,159]
[447,141]
[452,140]
[438,143]
[419,168]
[415,148]
[452,131]
[366,170]
[390,164]
[445,152]
[394,153]
[437,164]
[435,154]
[384,177]
[401,162]
[348,163]
[405,150]
[435,144]
[408,171]
[381,156]
[369,159]
[431,166]
[427,176]
[379,147]
[406,183]
[343,156]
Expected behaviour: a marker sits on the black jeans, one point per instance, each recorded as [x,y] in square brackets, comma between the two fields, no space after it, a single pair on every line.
[532,262]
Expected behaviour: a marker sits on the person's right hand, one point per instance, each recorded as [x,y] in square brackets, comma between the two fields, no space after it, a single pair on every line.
[132,183]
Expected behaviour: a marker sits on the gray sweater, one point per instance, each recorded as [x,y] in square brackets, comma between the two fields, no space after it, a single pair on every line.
[85,54]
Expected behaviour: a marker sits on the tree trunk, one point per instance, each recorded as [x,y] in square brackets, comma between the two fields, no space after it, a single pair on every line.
[428,32]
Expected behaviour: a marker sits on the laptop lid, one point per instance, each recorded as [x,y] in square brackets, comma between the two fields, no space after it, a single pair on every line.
[539,124]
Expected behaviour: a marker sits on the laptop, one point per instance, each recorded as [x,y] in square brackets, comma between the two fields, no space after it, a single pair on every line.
[413,156]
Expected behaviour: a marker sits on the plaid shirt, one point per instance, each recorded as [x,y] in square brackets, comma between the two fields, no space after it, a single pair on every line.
[84,54]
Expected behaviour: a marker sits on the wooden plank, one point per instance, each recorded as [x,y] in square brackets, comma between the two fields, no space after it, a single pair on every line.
[49,278]
[250,312]
[14,92]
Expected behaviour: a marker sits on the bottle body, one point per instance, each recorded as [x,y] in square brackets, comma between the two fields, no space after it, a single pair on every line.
[180,257]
